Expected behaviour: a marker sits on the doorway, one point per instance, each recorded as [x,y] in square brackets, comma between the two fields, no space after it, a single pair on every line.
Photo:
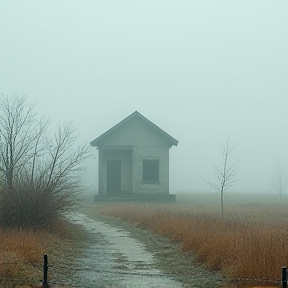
[113,177]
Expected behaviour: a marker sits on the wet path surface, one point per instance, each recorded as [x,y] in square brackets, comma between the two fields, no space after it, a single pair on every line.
[114,259]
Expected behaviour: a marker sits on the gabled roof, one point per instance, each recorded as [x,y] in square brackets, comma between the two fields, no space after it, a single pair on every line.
[134,115]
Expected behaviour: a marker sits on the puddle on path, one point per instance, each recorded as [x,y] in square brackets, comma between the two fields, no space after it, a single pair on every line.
[116,260]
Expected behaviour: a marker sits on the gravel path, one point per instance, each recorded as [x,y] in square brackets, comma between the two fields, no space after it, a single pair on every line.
[122,256]
[114,259]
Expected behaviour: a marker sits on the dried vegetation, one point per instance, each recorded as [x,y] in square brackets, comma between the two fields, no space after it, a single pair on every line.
[249,242]
[21,251]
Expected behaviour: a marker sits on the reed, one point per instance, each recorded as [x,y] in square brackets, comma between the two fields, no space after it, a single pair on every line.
[249,242]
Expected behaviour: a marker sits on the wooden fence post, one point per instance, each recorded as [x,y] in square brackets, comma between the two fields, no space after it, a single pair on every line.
[45,272]
[284,277]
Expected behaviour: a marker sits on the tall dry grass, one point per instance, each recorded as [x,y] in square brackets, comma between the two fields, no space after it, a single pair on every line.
[21,251]
[249,242]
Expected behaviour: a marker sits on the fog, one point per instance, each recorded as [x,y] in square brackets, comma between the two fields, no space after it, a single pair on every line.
[200,70]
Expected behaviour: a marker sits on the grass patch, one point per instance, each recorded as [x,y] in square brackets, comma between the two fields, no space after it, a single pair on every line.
[21,251]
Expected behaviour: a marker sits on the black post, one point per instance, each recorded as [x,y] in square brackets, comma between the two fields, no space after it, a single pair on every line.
[45,272]
[284,277]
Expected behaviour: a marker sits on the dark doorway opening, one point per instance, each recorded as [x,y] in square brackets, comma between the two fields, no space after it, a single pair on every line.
[113,177]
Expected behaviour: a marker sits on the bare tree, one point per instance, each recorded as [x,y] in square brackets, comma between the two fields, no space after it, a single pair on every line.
[224,174]
[19,131]
[42,175]
[278,182]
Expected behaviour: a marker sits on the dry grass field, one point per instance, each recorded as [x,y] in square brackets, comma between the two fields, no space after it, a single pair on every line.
[250,242]
[21,251]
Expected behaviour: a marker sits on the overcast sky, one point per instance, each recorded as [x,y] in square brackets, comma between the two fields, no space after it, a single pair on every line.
[200,69]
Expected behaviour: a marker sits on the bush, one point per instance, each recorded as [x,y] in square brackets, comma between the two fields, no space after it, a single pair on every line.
[40,171]
[28,207]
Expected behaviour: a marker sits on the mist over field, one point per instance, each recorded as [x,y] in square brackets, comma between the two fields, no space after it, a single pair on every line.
[200,70]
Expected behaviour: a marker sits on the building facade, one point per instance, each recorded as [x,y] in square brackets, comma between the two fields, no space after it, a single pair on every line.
[134,160]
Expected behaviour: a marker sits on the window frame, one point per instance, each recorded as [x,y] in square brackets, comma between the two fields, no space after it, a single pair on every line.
[149,177]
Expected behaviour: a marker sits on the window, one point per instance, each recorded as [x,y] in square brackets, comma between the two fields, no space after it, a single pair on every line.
[151,171]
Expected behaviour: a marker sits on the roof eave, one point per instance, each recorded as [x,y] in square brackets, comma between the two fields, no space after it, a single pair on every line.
[173,141]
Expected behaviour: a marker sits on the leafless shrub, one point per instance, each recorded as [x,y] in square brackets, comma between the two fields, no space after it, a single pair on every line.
[279,182]
[42,175]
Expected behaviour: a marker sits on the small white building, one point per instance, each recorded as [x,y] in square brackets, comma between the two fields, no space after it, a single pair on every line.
[134,161]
